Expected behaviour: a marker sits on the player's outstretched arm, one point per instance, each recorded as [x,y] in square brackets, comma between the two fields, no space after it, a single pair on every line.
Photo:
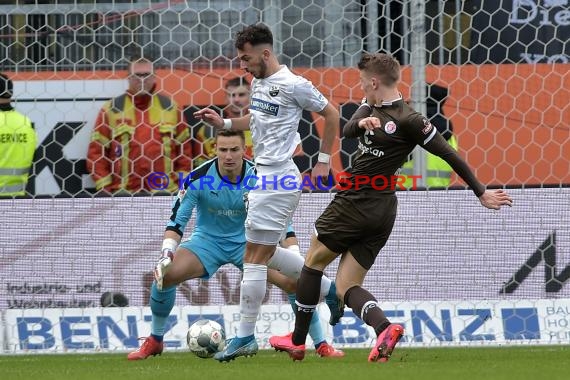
[494,199]
[210,116]
[214,119]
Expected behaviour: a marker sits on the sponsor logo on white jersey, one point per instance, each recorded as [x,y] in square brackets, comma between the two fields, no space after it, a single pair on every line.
[264,106]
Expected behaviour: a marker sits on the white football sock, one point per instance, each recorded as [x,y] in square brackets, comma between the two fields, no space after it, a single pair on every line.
[253,287]
[294,248]
[325,285]
[287,262]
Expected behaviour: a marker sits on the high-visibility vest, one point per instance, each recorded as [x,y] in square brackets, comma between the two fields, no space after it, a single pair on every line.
[122,108]
[17,145]
[437,170]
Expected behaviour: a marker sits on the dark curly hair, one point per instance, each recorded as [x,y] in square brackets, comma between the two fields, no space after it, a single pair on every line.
[255,34]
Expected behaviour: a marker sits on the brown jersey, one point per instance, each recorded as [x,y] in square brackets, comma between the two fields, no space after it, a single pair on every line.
[382,152]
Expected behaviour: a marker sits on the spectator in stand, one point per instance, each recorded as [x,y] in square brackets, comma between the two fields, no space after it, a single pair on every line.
[17,144]
[438,174]
[140,143]
[237,95]
[237,102]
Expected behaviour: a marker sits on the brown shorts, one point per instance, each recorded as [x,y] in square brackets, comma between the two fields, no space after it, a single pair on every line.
[361,226]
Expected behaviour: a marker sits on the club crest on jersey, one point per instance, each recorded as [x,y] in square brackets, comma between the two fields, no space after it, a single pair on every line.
[274,90]
[390,127]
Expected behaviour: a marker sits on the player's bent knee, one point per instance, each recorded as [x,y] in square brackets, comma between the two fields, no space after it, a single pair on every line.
[315,262]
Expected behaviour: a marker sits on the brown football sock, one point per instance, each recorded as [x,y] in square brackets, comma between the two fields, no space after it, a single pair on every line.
[365,306]
[308,292]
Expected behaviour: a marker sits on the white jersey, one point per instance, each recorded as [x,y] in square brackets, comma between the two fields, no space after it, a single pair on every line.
[276,107]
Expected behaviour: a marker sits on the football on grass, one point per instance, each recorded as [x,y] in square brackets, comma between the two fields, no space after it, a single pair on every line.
[206,337]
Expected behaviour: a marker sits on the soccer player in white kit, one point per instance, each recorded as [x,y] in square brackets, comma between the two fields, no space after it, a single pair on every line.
[278,98]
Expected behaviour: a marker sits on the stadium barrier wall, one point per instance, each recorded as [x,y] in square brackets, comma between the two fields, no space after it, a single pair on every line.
[449,266]
[427,324]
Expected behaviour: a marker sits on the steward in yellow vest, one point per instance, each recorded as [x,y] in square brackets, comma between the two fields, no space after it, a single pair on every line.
[438,172]
[140,142]
[17,144]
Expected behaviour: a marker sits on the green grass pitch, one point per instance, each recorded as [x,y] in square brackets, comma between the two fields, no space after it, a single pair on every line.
[488,363]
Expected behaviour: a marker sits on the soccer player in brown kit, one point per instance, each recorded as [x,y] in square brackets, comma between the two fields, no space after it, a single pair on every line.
[357,223]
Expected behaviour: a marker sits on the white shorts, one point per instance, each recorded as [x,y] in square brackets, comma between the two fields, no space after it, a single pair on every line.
[272,203]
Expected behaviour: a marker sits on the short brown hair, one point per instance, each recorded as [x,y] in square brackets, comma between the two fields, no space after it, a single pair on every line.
[230,133]
[384,65]
[236,82]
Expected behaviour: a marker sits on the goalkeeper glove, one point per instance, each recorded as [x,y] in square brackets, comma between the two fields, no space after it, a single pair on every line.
[164,262]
